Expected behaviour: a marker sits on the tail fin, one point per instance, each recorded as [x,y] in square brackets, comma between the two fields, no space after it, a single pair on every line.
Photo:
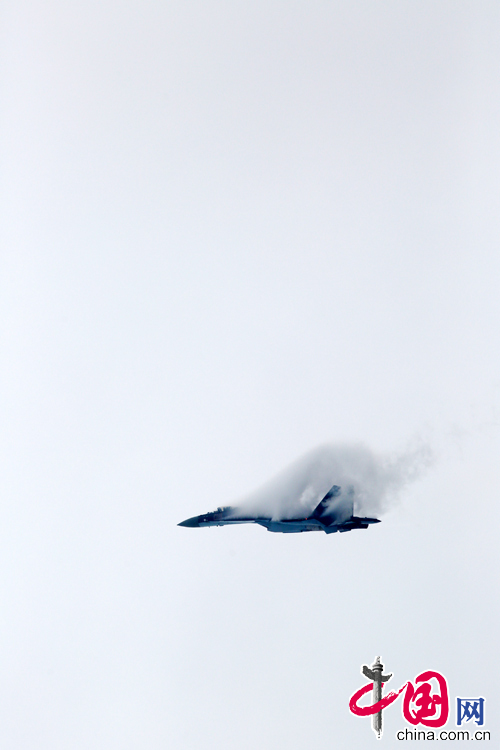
[329,512]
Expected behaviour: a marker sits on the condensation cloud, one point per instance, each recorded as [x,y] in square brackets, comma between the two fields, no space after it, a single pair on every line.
[372,481]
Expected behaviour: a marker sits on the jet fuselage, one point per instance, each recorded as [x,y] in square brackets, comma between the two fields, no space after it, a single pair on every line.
[320,520]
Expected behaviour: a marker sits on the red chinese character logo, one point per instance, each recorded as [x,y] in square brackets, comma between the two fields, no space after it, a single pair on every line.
[421,705]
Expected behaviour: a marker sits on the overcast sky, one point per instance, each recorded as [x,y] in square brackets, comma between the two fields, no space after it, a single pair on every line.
[232,232]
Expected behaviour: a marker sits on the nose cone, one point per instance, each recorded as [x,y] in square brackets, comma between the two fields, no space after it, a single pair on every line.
[193,522]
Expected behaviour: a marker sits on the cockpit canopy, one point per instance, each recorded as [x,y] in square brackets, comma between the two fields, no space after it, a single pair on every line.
[220,509]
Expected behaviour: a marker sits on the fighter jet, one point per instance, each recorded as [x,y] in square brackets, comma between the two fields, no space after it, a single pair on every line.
[327,517]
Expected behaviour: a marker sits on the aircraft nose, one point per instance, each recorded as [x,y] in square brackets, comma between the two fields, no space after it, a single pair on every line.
[195,521]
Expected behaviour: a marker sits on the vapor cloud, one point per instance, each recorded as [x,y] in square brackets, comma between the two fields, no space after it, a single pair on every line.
[372,481]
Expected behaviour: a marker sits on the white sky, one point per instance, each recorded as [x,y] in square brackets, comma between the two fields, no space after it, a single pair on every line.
[231,232]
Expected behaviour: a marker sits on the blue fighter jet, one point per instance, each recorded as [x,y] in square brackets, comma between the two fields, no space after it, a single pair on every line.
[327,517]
